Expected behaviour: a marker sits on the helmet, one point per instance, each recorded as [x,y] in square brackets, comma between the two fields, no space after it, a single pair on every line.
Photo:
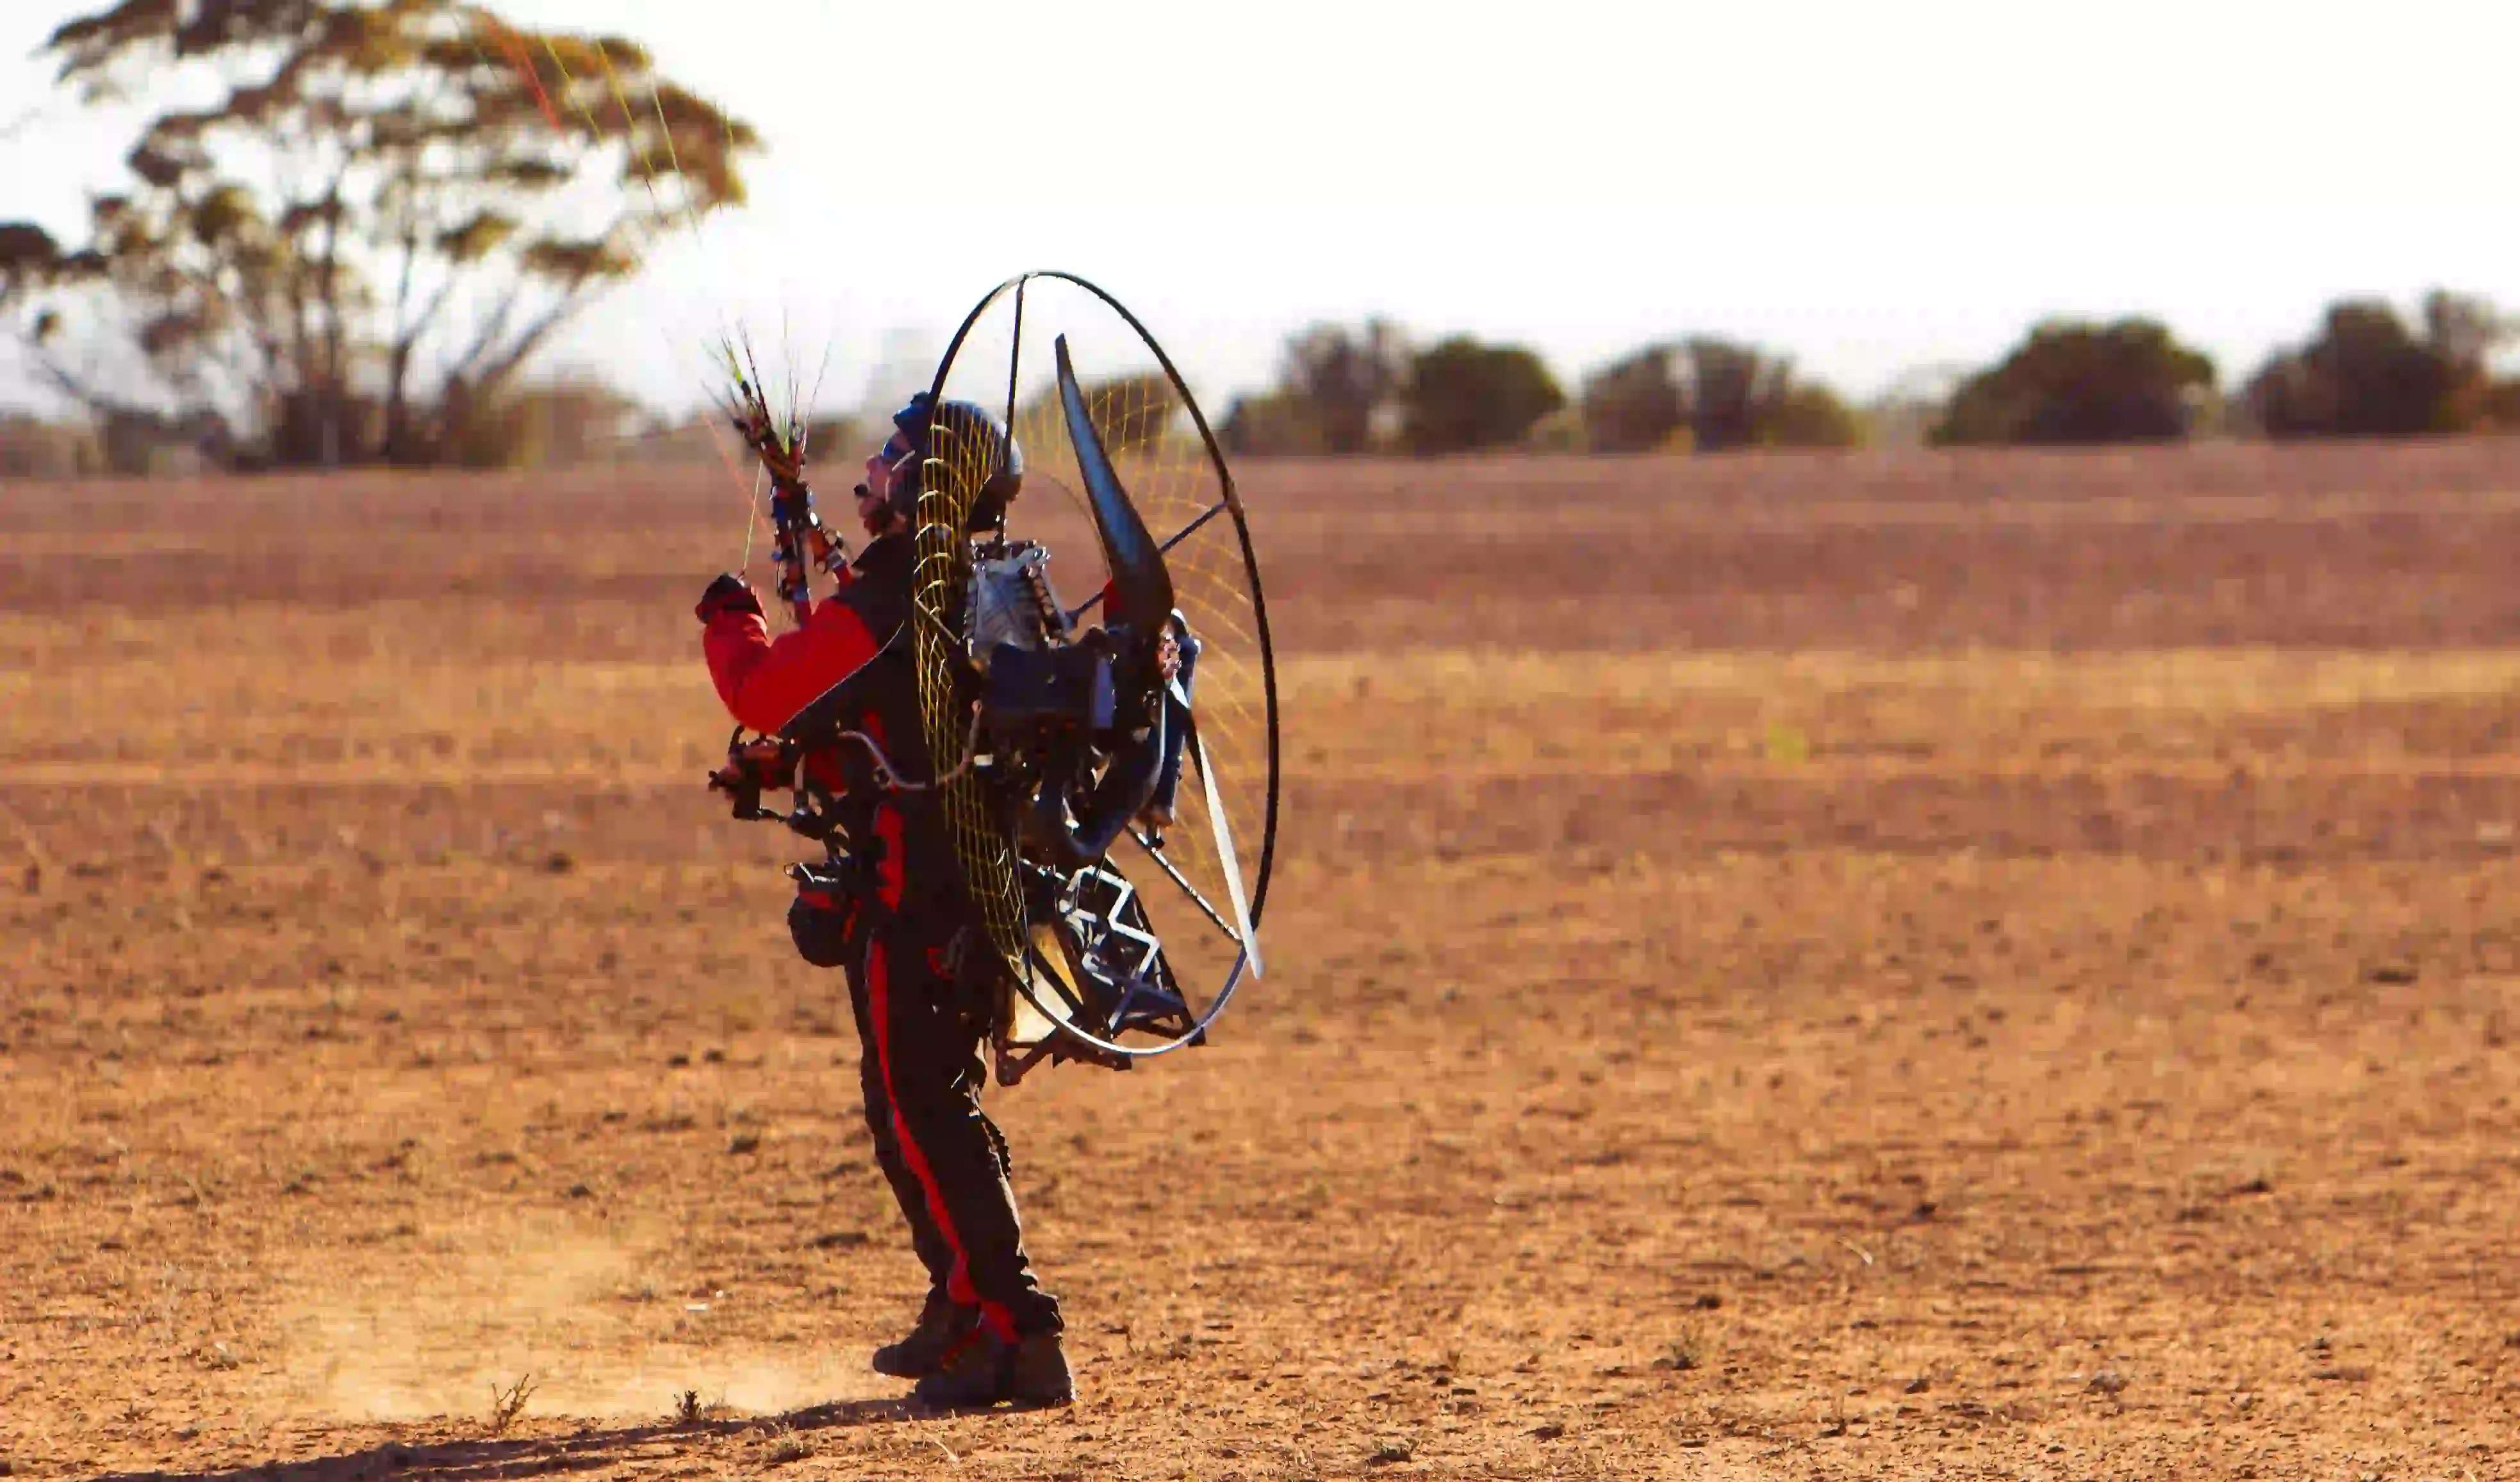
[918,421]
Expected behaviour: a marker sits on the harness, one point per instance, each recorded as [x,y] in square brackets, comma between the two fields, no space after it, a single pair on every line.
[840,904]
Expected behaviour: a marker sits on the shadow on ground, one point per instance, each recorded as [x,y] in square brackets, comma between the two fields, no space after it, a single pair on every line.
[480,1461]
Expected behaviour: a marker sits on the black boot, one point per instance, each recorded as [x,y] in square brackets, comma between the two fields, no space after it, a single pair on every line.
[943,1325]
[987,1370]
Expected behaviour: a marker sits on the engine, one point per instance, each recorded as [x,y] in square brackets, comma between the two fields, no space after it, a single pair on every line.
[1087,725]
[1083,733]
[1011,602]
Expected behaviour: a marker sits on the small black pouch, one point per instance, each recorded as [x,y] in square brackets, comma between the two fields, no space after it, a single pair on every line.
[821,916]
[1032,692]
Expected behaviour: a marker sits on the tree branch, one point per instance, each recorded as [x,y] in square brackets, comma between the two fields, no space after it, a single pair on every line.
[571,300]
[461,366]
[336,327]
[95,401]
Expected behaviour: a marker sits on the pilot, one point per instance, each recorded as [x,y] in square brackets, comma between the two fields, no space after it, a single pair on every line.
[987,1332]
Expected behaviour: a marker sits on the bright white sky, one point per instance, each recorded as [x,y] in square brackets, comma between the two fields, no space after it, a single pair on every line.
[1867,187]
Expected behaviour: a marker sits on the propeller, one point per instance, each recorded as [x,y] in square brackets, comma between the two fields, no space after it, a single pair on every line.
[1141,588]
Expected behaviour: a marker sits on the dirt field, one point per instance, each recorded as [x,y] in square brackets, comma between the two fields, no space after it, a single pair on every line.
[1822,967]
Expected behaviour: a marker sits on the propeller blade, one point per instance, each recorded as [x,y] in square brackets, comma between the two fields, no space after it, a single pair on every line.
[1140,580]
[1224,829]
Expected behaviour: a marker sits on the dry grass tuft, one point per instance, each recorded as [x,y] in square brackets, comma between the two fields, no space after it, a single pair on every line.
[507,1405]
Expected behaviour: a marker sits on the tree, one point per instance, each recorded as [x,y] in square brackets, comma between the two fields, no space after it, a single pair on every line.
[564,423]
[2500,412]
[1721,393]
[31,448]
[838,440]
[1335,388]
[1731,391]
[1269,425]
[1463,395]
[1338,379]
[1809,416]
[1633,404]
[2367,375]
[352,252]
[2078,383]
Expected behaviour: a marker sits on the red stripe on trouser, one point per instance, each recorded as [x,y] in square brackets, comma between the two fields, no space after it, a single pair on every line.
[958,1285]
[893,874]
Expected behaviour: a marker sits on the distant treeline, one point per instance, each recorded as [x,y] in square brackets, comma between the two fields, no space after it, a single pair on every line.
[565,422]
[2365,371]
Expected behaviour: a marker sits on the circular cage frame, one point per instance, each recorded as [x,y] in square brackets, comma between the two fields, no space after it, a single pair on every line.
[988,857]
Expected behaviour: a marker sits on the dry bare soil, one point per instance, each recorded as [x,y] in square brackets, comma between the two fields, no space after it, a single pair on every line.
[1805,967]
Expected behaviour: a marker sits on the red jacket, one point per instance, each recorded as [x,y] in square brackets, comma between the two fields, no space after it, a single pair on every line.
[764,682]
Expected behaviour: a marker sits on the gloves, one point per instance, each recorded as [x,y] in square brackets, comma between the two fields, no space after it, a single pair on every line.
[726,594]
